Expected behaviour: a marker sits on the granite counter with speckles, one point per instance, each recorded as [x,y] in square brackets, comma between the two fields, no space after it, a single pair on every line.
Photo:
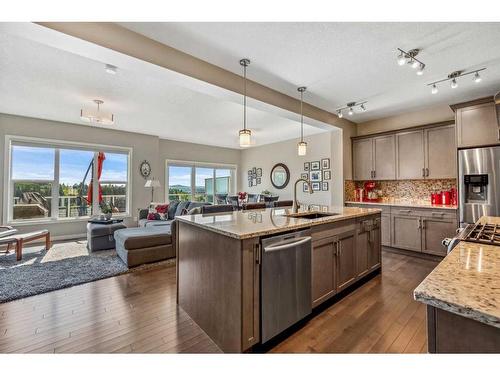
[466,282]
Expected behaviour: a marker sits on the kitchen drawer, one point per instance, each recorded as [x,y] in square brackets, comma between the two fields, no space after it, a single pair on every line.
[385,209]
[440,214]
[365,224]
[319,232]
[407,211]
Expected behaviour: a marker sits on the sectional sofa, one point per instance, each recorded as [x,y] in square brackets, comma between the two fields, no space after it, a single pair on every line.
[152,240]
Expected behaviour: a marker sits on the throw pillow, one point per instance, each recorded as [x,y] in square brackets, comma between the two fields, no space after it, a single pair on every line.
[171,209]
[158,212]
[154,216]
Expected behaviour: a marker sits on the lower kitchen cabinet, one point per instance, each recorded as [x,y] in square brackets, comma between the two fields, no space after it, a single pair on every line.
[340,257]
[346,260]
[323,276]
[385,229]
[405,232]
[434,229]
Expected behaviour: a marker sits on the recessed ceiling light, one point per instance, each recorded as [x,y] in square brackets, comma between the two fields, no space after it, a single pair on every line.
[111,69]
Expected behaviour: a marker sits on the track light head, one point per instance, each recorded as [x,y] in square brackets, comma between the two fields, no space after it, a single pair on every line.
[340,114]
[401,59]
[454,83]
[363,108]
[477,78]
[434,89]
[414,63]
[351,112]
[420,70]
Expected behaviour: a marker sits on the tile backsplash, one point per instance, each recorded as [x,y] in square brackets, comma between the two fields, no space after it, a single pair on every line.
[403,189]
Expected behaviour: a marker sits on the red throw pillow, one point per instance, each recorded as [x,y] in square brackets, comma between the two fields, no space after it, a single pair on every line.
[162,208]
[153,216]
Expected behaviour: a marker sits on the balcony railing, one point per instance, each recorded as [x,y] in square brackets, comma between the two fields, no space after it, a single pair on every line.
[68,206]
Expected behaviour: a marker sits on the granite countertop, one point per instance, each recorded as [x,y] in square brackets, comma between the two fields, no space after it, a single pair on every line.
[255,223]
[466,282]
[417,203]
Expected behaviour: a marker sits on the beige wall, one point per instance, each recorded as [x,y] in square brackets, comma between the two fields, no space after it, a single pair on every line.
[406,120]
[325,145]
[144,147]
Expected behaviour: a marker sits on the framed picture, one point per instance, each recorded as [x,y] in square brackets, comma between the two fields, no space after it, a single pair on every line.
[305,188]
[249,172]
[324,186]
[304,176]
[307,166]
[327,175]
[259,172]
[249,182]
[315,166]
[314,207]
[315,176]
[325,163]
[254,171]
[258,180]
[316,186]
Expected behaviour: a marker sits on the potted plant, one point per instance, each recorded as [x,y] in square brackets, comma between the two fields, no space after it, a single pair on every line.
[106,209]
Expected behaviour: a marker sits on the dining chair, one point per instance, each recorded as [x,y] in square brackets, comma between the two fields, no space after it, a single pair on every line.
[253,198]
[221,198]
[269,200]
[253,206]
[288,203]
[233,200]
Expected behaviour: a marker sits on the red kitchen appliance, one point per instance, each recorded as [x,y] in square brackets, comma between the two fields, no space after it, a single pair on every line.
[371,194]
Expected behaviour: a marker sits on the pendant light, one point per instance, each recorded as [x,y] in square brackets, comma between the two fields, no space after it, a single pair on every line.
[245,134]
[302,146]
[97,116]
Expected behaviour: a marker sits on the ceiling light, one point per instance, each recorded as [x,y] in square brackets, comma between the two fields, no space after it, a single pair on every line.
[420,70]
[414,64]
[97,116]
[245,134]
[111,69]
[351,112]
[454,76]
[351,107]
[401,59]
[339,113]
[362,106]
[302,146]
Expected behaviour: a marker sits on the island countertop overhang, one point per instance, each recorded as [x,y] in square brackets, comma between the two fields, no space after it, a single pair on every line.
[256,223]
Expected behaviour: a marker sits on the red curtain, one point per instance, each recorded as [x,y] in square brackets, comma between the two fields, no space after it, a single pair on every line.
[100,160]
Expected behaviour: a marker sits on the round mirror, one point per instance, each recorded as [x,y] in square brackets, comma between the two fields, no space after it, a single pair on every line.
[280,175]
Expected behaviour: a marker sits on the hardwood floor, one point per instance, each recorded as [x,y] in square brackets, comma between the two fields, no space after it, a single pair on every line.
[137,312]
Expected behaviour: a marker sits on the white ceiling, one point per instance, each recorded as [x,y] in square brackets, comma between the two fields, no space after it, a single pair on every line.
[342,62]
[39,80]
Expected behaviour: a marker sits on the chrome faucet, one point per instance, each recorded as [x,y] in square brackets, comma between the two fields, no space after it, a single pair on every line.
[295,202]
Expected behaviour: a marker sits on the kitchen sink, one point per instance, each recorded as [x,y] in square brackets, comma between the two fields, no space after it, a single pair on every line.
[311,215]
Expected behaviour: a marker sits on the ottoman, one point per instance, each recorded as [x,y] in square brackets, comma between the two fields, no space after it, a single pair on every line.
[136,246]
[100,236]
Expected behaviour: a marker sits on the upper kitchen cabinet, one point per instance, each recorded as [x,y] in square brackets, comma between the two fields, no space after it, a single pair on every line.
[362,159]
[374,158]
[477,123]
[440,152]
[410,155]
[424,152]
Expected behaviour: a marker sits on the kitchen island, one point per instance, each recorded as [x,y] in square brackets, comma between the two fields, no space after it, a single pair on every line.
[463,299]
[220,261]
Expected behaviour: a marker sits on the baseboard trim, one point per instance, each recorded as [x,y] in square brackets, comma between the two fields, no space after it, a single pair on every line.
[412,253]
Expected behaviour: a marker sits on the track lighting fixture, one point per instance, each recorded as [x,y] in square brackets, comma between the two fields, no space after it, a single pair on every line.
[454,77]
[410,58]
[351,106]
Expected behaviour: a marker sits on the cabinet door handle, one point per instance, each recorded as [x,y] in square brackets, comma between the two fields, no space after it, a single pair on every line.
[423,223]
[423,172]
[257,254]
[340,248]
[419,225]
[427,172]
[499,134]
[374,174]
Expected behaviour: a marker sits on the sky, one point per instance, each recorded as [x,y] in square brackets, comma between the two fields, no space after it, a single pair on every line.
[37,163]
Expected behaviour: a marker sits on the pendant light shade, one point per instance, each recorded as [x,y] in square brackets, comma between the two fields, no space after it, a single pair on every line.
[97,116]
[245,134]
[302,146]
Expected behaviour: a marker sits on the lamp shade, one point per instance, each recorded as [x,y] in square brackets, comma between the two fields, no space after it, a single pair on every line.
[152,183]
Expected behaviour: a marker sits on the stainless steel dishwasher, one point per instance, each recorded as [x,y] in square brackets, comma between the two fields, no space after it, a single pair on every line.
[285,282]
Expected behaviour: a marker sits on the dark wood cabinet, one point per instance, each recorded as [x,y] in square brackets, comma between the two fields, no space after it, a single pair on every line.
[346,268]
[375,248]
[323,263]
[385,229]
[368,246]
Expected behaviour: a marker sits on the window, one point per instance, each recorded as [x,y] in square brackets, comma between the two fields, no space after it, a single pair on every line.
[199,181]
[52,181]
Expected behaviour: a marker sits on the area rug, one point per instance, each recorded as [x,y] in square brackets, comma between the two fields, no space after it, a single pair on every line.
[64,265]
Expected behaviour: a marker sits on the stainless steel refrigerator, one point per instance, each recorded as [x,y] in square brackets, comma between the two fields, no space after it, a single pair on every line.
[479,183]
